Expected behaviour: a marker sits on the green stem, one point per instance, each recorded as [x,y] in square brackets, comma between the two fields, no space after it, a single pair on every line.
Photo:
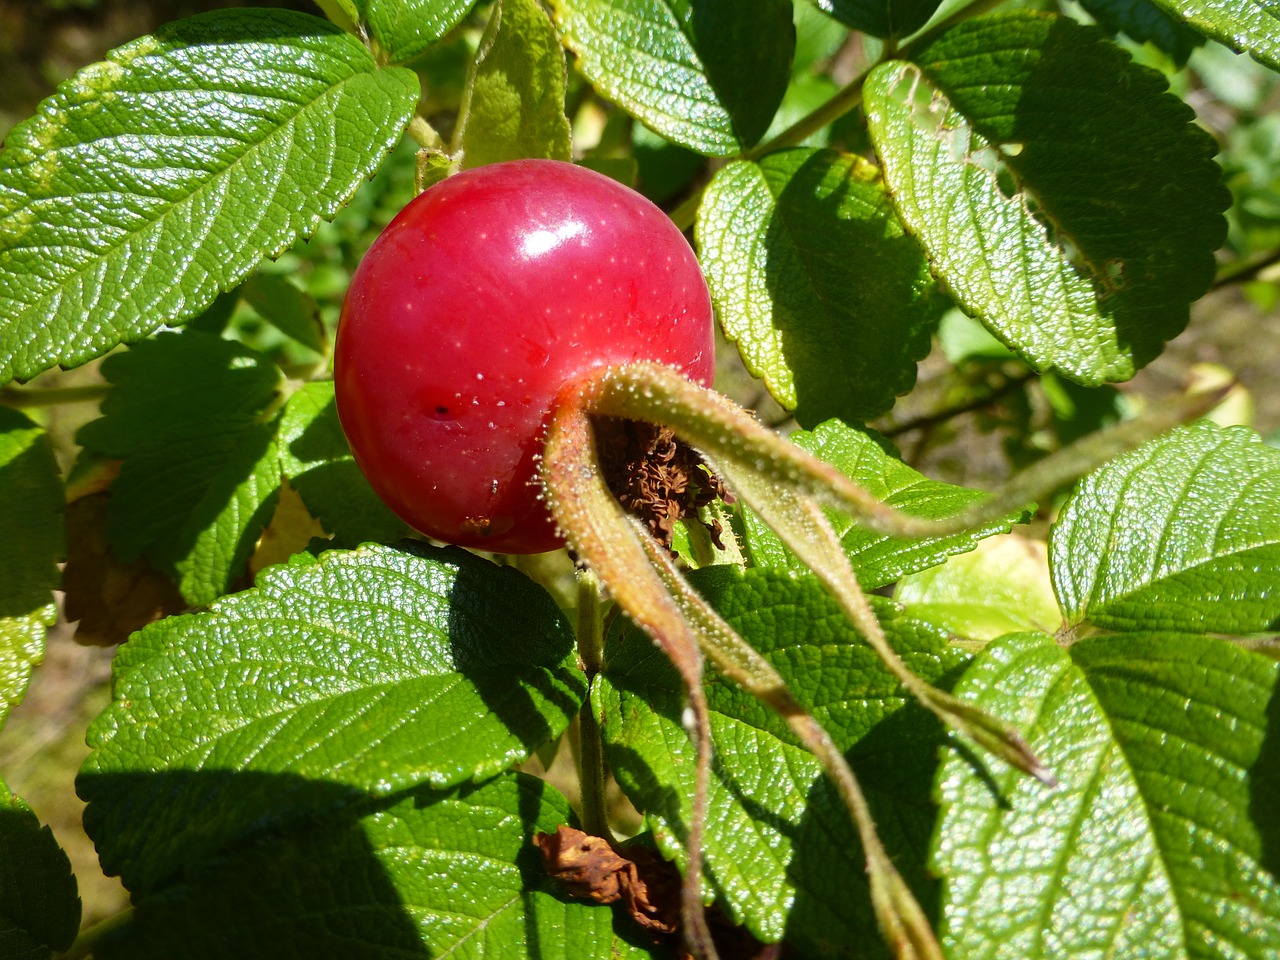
[56,396]
[959,409]
[87,941]
[1245,270]
[423,134]
[591,766]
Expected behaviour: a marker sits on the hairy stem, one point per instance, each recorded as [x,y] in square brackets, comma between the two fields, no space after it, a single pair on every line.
[612,545]
[717,427]
[591,768]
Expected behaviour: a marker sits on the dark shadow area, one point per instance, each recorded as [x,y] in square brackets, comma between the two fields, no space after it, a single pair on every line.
[747,79]
[851,303]
[300,878]
[333,488]
[39,904]
[31,520]
[895,763]
[1264,789]
[501,625]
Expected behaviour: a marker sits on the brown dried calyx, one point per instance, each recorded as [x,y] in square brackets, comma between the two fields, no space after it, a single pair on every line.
[656,477]
[648,887]
[591,869]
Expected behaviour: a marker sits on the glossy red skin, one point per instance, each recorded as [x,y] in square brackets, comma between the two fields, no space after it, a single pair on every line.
[483,297]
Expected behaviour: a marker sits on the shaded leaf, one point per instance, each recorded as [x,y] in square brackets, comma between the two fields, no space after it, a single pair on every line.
[828,300]
[429,875]
[292,311]
[1181,534]
[1246,26]
[32,542]
[1052,235]
[781,852]
[1116,860]
[39,905]
[106,597]
[201,469]
[154,180]
[1143,21]
[881,18]
[877,559]
[706,74]
[358,674]
[516,104]
[317,461]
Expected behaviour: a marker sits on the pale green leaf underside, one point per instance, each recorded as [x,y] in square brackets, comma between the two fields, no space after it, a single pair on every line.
[39,906]
[358,674]
[1145,848]
[433,875]
[1002,586]
[1032,872]
[406,28]
[1181,534]
[31,544]
[706,74]
[1196,720]
[877,559]
[201,469]
[317,461]
[1089,267]
[152,181]
[828,300]
[780,849]
[516,105]
[1246,26]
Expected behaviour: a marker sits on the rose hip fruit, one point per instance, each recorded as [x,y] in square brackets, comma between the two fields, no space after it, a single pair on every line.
[479,302]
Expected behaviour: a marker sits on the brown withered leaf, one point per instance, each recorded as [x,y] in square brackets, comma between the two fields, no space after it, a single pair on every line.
[110,599]
[591,869]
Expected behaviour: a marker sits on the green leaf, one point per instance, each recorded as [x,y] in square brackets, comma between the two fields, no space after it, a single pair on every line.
[201,469]
[1246,26]
[706,74]
[1181,534]
[781,852]
[152,181]
[430,875]
[516,103]
[1197,721]
[316,459]
[1002,586]
[1052,235]
[403,29]
[32,541]
[829,301]
[881,18]
[290,310]
[358,674]
[39,905]
[1143,21]
[877,559]
[1145,846]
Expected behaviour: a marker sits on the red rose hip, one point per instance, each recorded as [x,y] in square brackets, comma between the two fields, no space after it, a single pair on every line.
[478,303]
